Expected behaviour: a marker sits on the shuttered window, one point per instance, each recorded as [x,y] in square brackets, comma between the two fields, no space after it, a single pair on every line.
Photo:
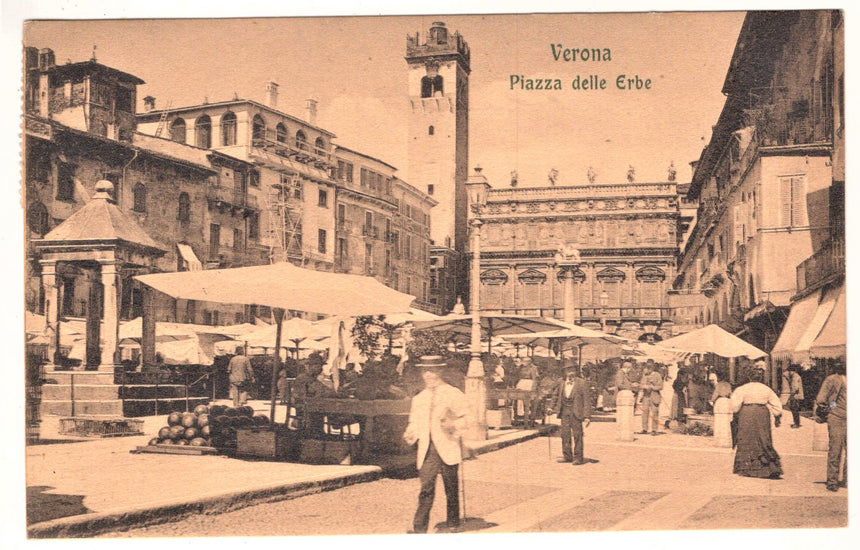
[792,200]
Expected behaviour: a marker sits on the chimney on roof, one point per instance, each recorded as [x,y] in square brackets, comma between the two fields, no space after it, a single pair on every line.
[311,111]
[272,94]
[148,103]
[46,58]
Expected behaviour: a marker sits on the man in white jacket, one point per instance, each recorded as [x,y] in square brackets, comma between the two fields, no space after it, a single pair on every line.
[436,421]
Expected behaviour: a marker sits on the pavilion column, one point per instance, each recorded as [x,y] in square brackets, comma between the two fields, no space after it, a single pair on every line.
[52,307]
[93,355]
[111,286]
[147,339]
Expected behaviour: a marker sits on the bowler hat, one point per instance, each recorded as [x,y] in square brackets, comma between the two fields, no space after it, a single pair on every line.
[434,363]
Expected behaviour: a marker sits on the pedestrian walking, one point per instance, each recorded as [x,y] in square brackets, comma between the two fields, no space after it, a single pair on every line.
[437,418]
[573,405]
[679,397]
[649,396]
[791,393]
[833,395]
[241,377]
[754,403]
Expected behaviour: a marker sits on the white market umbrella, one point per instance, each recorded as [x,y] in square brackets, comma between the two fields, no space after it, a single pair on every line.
[285,286]
[713,339]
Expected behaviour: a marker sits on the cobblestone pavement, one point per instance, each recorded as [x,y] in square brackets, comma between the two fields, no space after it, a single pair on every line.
[668,482]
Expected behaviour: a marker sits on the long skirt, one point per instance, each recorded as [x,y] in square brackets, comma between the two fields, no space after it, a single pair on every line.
[755,456]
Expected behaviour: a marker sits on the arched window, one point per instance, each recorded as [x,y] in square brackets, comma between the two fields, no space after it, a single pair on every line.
[203,129]
[281,132]
[319,146]
[37,219]
[431,130]
[301,141]
[258,128]
[228,129]
[431,86]
[177,130]
[184,207]
[139,193]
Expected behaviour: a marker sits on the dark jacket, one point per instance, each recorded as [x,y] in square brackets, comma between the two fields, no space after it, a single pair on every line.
[579,402]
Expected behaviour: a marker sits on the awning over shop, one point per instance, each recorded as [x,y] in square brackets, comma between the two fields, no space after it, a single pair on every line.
[831,340]
[189,257]
[804,324]
[761,309]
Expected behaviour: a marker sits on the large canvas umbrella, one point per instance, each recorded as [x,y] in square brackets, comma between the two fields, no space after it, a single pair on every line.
[572,337]
[283,286]
[459,326]
[713,339]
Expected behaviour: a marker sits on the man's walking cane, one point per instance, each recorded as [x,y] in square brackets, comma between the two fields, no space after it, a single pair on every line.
[462,479]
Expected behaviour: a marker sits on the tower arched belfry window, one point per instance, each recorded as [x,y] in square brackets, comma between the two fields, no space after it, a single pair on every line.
[184,207]
[177,130]
[258,128]
[319,146]
[139,197]
[432,85]
[203,129]
[228,129]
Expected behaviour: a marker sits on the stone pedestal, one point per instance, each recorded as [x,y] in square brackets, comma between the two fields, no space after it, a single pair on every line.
[722,423]
[624,402]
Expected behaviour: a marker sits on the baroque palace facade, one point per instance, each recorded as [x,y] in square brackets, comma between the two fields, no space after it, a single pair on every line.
[626,236]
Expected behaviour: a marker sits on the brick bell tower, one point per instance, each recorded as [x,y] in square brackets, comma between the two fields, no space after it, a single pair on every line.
[438,151]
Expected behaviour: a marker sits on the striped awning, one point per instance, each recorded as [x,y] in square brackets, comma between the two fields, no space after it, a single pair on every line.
[831,340]
[805,323]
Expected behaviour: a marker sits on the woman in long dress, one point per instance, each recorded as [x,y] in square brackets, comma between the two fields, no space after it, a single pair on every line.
[754,403]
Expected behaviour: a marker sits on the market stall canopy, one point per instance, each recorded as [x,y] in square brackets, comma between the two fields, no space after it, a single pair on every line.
[713,339]
[491,325]
[830,343]
[283,285]
[293,332]
[571,337]
[804,324]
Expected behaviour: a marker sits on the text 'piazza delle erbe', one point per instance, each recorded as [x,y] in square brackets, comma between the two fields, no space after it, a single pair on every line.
[580,82]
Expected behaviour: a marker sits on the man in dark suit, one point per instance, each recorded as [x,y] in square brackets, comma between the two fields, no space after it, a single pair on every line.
[574,407]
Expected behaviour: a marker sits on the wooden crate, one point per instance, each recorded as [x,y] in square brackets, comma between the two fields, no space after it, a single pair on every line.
[329,451]
[265,442]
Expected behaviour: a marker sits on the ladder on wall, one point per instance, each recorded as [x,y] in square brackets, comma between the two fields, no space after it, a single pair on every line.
[162,120]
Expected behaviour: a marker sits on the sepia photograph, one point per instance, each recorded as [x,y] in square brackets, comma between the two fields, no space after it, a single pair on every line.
[452,273]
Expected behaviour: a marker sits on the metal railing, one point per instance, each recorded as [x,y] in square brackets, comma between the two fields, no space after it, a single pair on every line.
[826,262]
[232,196]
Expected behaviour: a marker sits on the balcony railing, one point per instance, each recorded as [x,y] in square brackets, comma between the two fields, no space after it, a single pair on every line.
[370,231]
[827,262]
[232,196]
